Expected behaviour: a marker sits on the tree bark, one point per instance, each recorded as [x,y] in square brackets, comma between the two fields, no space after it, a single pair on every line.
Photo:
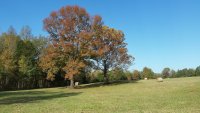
[106,80]
[72,82]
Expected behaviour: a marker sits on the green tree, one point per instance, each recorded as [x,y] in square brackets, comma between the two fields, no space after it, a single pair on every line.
[172,73]
[96,76]
[117,74]
[128,75]
[190,72]
[147,73]
[40,43]
[197,71]
[27,60]
[166,72]
[181,73]
[185,73]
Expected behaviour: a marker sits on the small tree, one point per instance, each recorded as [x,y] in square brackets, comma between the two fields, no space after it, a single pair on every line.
[118,74]
[166,72]
[182,73]
[172,73]
[136,75]
[147,73]
[190,72]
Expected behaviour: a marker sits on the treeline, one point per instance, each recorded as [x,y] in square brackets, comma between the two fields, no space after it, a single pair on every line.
[19,54]
[166,73]
[118,74]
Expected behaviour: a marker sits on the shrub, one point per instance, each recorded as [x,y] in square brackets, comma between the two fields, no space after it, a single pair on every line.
[128,75]
[96,76]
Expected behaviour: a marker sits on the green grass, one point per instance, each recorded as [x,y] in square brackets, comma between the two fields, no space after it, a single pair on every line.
[179,95]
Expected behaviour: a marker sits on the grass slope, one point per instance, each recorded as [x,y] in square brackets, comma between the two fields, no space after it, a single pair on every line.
[179,95]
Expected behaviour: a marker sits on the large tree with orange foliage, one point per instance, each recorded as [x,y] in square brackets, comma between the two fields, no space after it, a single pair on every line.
[70,30]
[110,50]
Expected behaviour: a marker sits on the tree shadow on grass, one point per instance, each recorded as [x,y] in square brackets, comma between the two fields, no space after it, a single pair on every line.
[18,93]
[102,84]
[32,96]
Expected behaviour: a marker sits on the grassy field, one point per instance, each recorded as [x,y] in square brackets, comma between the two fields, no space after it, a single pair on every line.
[179,95]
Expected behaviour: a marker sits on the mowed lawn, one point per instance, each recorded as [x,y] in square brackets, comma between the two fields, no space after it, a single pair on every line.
[178,95]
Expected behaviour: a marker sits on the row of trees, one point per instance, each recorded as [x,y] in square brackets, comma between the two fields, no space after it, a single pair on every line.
[19,55]
[120,74]
[166,73]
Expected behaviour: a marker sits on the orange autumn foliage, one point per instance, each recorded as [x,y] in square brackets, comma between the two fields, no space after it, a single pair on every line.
[76,39]
[71,30]
[110,50]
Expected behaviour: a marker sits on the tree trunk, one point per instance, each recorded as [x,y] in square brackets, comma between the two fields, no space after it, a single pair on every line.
[106,79]
[72,82]
[18,85]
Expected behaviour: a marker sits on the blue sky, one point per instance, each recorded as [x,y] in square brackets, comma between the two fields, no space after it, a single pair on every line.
[159,33]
